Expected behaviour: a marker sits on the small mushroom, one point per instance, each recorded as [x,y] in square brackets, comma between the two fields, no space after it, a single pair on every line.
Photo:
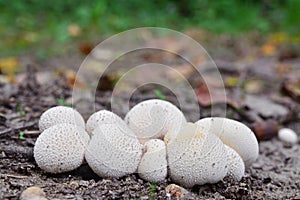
[153,165]
[234,134]
[61,148]
[236,166]
[114,151]
[102,117]
[196,157]
[155,119]
[59,115]
[288,135]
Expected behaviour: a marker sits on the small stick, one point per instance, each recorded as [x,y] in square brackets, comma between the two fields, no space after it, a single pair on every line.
[33,132]
[13,176]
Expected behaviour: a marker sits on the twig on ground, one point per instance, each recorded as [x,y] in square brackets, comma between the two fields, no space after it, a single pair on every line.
[13,176]
[32,132]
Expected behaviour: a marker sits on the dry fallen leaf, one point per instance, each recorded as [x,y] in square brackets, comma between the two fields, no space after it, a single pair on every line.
[74,30]
[278,38]
[266,107]
[268,49]
[9,66]
[71,78]
[254,86]
[292,88]
[265,130]
[85,48]
[215,96]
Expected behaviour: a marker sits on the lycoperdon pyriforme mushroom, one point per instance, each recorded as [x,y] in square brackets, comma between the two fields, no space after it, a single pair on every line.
[196,157]
[59,115]
[234,134]
[236,166]
[155,119]
[102,117]
[153,165]
[113,151]
[195,154]
[61,148]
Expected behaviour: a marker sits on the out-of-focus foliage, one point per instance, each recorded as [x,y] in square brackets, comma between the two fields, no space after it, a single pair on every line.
[23,22]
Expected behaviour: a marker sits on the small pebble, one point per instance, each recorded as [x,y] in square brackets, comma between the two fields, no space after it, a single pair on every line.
[288,135]
[33,193]
[175,191]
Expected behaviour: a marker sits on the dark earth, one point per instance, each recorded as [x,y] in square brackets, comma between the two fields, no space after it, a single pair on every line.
[275,174]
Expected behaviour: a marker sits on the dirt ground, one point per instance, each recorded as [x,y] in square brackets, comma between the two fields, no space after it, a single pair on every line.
[275,174]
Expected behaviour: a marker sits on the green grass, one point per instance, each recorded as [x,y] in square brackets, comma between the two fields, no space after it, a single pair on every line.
[152,192]
[159,94]
[21,135]
[32,24]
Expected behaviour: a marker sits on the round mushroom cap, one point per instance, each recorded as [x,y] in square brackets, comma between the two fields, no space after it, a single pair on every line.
[236,166]
[60,115]
[234,134]
[153,165]
[61,148]
[113,151]
[155,119]
[196,157]
[288,135]
[102,117]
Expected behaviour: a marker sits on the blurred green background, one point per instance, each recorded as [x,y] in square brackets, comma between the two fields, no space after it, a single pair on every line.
[28,25]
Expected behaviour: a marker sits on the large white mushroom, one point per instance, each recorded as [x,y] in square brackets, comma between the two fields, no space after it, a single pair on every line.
[102,117]
[234,134]
[236,166]
[155,119]
[153,165]
[113,151]
[61,148]
[60,115]
[196,157]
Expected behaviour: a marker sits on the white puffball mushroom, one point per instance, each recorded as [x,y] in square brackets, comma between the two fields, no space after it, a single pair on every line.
[101,117]
[114,151]
[288,135]
[60,115]
[236,166]
[196,157]
[155,119]
[61,148]
[153,165]
[234,134]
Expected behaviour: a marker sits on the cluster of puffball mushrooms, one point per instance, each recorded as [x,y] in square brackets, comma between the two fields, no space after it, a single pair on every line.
[154,140]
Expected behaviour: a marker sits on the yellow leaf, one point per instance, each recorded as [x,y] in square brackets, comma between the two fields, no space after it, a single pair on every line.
[279,38]
[268,49]
[74,30]
[9,66]
[231,81]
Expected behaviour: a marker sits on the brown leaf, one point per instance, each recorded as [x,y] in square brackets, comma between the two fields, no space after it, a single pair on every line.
[208,98]
[85,48]
[291,87]
[71,78]
[265,130]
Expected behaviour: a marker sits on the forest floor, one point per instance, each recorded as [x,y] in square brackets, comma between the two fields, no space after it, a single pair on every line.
[269,94]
